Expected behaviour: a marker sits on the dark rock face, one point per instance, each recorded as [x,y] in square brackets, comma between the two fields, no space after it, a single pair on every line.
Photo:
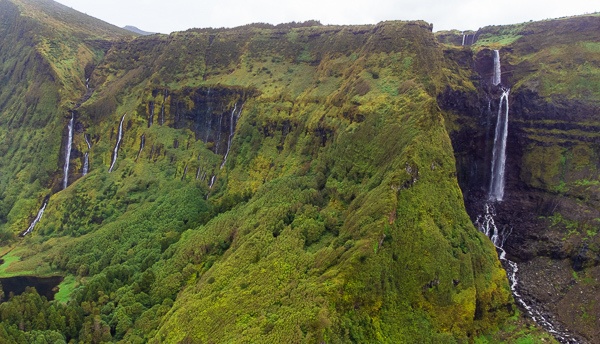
[207,111]
[551,203]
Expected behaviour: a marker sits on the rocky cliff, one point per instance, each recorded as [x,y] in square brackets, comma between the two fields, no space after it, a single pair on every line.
[283,183]
[551,203]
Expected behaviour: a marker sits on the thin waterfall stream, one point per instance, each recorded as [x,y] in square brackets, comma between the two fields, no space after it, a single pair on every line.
[86,157]
[232,123]
[37,219]
[116,150]
[68,152]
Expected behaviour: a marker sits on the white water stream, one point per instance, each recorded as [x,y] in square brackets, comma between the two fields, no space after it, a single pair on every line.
[486,223]
[68,152]
[116,150]
[36,220]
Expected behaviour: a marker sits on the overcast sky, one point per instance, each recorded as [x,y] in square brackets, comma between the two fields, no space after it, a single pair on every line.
[177,15]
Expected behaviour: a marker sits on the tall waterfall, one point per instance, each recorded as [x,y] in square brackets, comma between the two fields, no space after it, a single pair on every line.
[497,80]
[232,123]
[463,42]
[86,157]
[68,152]
[496,192]
[486,223]
[116,150]
[37,218]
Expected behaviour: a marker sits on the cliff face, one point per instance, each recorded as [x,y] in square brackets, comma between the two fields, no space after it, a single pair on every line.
[290,183]
[294,182]
[552,197]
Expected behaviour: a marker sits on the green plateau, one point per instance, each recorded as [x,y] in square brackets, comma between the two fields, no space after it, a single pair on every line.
[293,183]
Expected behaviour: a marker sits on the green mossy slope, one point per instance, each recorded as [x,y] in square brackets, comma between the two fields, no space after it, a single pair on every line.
[336,217]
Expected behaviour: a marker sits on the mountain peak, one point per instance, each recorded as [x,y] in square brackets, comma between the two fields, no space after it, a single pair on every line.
[137,30]
[60,17]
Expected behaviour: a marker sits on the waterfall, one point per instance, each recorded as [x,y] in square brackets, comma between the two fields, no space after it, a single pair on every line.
[497,69]
[68,152]
[198,172]
[232,123]
[151,115]
[37,218]
[142,145]
[463,42]
[86,164]
[87,142]
[119,138]
[87,83]
[212,181]
[86,157]
[486,224]
[496,192]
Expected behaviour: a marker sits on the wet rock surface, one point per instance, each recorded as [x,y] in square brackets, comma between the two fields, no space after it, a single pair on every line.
[551,203]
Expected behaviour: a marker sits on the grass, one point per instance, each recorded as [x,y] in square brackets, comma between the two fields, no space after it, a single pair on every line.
[8,260]
[65,289]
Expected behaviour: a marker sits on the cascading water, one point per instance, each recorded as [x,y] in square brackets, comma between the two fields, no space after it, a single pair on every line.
[232,123]
[497,79]
[463,42]
[68,152]
[116,150]
[486,223]
[142,145]
[151,115]
[86,157]
[37,218]
[496,192]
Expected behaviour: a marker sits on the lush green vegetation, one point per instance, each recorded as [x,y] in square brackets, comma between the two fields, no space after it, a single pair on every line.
[337,216]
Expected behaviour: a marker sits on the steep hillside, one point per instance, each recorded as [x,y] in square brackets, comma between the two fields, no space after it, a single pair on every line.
[553,154]
[44,68]
[270,184]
